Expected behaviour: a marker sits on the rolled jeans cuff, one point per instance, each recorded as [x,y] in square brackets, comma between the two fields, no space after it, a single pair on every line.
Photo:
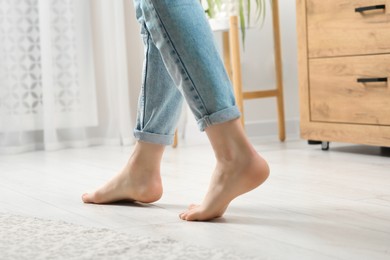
[219,117]
[153,138]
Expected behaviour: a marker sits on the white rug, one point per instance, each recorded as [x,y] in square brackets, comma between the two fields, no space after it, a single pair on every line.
[24,237]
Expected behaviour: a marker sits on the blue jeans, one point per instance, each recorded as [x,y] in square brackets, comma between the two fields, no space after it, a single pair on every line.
[181,60]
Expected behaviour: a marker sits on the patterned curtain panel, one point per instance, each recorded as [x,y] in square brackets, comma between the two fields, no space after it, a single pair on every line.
[48,90]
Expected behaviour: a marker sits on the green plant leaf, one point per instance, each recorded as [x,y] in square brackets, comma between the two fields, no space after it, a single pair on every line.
[219,3]
[242,22]
[249,10]
[211,10]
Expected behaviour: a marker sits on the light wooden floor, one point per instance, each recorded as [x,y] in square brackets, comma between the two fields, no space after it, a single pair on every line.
[316,204]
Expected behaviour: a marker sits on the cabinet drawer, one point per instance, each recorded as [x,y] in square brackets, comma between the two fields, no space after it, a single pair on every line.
[334,28]
[337,96]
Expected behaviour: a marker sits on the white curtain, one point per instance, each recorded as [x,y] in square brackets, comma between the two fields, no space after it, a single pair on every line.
[69,73]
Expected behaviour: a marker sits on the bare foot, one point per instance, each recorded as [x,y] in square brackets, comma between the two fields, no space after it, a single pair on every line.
[140,179]
[230,180]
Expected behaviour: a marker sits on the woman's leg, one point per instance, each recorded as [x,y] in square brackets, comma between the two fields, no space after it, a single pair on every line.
[181,32]
[159,108]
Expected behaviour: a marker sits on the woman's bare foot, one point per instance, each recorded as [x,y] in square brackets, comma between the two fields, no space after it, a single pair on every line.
[140,179]
[239,169]
[229,180]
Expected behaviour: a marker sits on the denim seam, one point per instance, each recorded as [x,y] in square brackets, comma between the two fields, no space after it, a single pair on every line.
[145,76]
[181,61]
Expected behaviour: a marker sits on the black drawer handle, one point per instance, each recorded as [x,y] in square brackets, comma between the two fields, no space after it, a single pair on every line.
[368,80]
[368,8]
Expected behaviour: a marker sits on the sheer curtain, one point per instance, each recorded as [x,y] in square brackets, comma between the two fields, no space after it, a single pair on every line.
[69,73]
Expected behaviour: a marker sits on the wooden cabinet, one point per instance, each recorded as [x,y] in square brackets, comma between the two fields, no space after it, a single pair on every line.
[344,70]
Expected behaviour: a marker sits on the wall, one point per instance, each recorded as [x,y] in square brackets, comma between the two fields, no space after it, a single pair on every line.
[258,72]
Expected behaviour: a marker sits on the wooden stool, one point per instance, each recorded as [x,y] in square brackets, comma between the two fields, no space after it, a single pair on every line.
[231,55]
[175,140]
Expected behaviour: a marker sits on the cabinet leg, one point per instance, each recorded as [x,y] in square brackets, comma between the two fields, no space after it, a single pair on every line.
[385,151]
[324,144]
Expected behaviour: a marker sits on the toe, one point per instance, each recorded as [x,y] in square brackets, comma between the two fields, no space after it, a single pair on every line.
[193,215]
[87,198]
[183,215]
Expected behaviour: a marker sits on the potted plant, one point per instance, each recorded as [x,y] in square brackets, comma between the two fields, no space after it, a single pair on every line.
[217,9]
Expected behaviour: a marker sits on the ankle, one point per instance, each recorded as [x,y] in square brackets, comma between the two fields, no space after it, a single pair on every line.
[235,154]
[229,141]
[146,157]
[149,151]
